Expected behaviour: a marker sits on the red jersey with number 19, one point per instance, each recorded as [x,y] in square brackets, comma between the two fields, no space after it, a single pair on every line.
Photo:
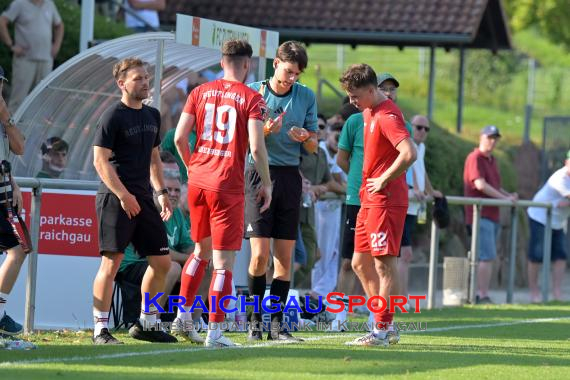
[384,129]
[222,109]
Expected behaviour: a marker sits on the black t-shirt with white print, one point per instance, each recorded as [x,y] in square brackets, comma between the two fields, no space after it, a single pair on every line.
[131,134]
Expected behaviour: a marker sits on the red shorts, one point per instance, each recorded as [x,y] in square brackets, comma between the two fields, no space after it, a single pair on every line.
[379,230]
[218,215]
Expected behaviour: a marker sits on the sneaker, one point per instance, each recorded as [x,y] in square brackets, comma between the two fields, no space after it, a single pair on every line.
[221,342]
[254,335]
[186,331]
[105,337]
[369,339]
[151,334]
[393,336]
[283,336]
[9,327]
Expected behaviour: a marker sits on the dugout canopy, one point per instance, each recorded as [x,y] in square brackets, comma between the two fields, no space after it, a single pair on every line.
[69,101]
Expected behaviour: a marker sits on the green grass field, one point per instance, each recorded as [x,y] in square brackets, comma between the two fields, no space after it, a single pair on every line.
[520,341]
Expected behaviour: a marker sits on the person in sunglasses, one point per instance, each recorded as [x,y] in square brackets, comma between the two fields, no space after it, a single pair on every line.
[416,194]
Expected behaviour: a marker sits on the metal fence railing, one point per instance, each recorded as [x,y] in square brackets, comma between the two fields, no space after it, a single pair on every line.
[473,257]
[37,185]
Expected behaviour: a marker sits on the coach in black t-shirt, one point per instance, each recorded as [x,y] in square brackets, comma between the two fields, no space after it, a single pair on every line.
[127,159]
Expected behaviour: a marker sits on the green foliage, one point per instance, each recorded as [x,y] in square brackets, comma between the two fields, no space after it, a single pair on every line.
[551,16]
[71,16]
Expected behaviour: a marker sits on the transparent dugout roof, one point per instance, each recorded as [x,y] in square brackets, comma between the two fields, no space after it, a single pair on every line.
[69,102]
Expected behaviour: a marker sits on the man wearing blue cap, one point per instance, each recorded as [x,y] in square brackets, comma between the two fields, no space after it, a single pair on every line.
[10,199]
[481,179]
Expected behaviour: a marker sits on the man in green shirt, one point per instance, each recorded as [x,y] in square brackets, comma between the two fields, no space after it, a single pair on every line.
[167,145]
[133,266]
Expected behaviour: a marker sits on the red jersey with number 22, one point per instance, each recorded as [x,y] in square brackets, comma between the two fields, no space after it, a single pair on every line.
[222,109]
[384,129]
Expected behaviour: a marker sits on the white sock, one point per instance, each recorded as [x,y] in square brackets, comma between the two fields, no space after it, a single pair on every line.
[186,316]
[148,318]
[101,320]
[380,330]
[3,301]
[216,332]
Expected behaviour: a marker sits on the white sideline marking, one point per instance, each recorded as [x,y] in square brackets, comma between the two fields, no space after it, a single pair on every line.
[314,339]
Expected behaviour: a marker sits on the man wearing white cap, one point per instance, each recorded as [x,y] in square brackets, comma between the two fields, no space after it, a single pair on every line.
[481,179]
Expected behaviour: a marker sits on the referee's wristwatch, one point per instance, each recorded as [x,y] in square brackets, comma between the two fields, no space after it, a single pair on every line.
[162,192]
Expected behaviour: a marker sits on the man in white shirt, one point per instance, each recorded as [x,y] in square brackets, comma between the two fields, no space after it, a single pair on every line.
[556,191]
[416,194]
[142,15]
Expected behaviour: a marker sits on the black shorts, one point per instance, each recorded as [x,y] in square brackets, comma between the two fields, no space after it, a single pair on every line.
[409,226]
[146,230]
[7,237]
[134,272]
[281,220]
[348,231]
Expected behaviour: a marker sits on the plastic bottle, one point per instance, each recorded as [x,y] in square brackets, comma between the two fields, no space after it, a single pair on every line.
[18,345]
[422,213]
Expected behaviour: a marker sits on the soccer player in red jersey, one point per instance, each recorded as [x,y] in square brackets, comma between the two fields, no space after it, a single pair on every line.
[226,114]
[388,152]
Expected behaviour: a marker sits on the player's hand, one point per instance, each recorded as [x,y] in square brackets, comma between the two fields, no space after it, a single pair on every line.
[298,134]
[375,185]
[265,194]
[130,204]
[17,201]
[166,207]
[564,203]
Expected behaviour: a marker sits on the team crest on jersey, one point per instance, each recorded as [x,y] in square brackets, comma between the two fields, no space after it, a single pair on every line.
[263,110]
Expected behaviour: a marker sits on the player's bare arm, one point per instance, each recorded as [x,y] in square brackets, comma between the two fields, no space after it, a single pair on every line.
[259,154]
[157,181]
[183,129]
[406,157]
[110,178]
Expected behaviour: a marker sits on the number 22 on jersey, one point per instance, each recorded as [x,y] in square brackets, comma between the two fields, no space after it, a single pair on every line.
[224,117]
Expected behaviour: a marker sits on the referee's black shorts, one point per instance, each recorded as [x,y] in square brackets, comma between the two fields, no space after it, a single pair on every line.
[281,220]
[146,230]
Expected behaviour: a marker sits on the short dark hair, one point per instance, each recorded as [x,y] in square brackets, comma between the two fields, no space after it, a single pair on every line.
[124,65]
[57,144]
[293,52]
[236,50]
[358,76]
[336,126]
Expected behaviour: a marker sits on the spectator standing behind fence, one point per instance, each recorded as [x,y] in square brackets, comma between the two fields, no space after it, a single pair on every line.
[12,140]
[481,179]
[349,158]
[142,15]
[324,274]
[37,39]
[557,192]
[416,195]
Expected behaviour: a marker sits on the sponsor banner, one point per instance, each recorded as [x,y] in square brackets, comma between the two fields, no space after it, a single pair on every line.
[68,222]
[211,34]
